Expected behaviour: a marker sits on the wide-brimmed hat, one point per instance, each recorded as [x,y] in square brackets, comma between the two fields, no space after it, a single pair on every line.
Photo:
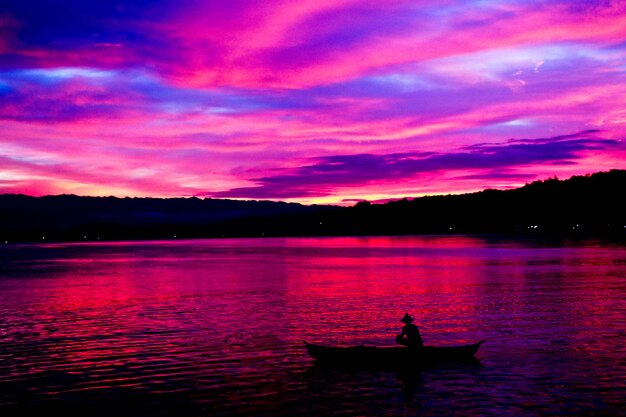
[407,319]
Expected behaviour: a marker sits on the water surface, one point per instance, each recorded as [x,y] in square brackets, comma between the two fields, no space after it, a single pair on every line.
[214,327]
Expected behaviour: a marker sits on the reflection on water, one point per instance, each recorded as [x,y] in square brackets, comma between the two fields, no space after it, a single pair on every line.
[214,327]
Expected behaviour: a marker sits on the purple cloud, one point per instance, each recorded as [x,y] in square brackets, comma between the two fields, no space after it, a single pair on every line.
[330,172]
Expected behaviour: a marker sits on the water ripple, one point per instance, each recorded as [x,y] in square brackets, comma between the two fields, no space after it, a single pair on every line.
[215,327]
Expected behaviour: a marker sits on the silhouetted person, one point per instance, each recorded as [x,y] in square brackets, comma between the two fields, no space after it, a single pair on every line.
[410,335]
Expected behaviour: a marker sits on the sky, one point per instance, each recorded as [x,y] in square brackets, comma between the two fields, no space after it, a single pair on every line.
[311,101]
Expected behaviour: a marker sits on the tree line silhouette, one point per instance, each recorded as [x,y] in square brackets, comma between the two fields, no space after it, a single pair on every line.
[582,205]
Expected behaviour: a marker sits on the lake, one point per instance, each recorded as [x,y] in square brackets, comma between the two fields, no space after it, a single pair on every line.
[215,327]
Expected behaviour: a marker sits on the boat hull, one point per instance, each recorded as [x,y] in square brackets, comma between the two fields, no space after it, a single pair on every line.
[370,355]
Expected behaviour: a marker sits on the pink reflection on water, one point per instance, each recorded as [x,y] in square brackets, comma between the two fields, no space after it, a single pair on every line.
[232,313]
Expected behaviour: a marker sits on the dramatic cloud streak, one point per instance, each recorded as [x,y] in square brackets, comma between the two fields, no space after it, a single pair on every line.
[329,172]
[313,101]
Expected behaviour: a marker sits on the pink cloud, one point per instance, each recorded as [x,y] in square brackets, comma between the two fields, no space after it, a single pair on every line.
[261,50]
[210,97]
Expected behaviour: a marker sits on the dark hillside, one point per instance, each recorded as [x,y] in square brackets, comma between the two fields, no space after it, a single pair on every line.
[591,204]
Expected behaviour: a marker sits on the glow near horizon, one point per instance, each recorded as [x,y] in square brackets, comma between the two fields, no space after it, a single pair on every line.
[310,101]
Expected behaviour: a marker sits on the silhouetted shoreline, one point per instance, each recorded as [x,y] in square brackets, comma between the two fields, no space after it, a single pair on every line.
[581,206]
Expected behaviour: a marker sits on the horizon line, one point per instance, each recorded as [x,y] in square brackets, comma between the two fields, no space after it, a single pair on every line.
[354,201]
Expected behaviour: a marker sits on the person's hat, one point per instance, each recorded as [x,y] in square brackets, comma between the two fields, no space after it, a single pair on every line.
[407,319]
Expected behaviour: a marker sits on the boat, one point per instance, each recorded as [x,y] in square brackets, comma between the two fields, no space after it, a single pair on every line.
[372,355]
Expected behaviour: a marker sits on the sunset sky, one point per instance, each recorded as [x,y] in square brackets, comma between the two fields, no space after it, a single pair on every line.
[314,101]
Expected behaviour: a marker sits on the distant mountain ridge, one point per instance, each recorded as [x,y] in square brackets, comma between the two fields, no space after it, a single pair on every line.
[583,204]
[71,217]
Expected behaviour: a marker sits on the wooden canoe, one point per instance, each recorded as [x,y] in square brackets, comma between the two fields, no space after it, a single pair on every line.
[371,355]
